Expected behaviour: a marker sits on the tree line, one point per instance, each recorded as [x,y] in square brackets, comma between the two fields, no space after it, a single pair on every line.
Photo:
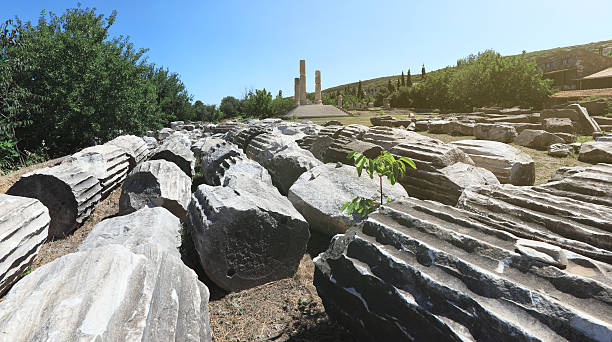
[66,84]
[485,79]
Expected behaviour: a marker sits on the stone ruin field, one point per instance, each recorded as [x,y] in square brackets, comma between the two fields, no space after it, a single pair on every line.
[235,230]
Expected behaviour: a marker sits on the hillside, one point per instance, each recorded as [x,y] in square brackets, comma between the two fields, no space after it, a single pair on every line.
[605,46]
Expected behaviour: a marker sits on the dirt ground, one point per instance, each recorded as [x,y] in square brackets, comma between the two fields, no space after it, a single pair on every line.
[284,310]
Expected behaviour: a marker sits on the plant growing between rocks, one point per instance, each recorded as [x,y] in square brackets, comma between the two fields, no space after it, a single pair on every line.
[385,165]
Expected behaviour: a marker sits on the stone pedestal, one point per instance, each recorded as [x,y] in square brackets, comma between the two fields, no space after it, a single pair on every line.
[303,81]
[339,101]
[296,91]
[317,87]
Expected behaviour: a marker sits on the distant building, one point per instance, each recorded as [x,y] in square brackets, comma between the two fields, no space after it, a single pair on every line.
[598,80]
[568,68]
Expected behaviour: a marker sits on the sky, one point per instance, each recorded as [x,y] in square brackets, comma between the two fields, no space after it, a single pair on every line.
[222,48]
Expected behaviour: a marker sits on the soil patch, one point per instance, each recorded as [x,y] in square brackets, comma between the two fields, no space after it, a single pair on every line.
[283,310]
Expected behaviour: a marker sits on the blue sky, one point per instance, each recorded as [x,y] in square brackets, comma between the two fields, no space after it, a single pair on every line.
[224,47]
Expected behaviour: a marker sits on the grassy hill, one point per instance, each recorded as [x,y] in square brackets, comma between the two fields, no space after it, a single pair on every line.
[416,77]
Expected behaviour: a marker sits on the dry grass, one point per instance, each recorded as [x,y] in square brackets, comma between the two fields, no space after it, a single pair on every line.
[283,310]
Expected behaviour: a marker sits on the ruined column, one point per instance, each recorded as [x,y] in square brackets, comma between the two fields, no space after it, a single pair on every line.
[339,101]
[296,96]
[302,81]
[318,87]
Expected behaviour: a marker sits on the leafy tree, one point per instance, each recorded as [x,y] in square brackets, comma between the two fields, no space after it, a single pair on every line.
[258,103]
[89,87]
[408,79]
[16,101]
[490,79]
[280,106]
[401,98]
[230,106]
[203,112]
[172,97]
[403,80]
[384,165]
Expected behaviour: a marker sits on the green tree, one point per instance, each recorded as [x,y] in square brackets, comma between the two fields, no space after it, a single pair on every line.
[17,103]
[90,87]
[403,80]
[258,104]
[230,106]
[423,72]
[491,79]
[408,79]
[203,112]
[359,91]
[173,100]
[385,165]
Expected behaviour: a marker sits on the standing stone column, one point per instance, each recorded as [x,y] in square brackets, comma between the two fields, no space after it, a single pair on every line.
[318,87]
[302,81]
[296,91]
[339,101]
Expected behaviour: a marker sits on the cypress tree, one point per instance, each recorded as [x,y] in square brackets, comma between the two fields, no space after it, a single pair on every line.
[359,90]
[423,71]
[403,79]
[398,83]
[408,79]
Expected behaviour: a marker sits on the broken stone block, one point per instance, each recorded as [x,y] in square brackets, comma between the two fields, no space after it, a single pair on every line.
[156,183]
[495,132]
[558,125]
[108,163]
[320,193]
[246,233]
[596,152]
[69,192]
[423,271]
[538,139]
[508,164]
[109,293]
[591,184]
[24,224]
[559,150]
[135,147]
[178,153]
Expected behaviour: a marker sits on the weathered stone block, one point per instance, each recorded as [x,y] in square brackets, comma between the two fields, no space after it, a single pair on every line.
[156,183]
[69,192]
[24,224]
[246,233]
